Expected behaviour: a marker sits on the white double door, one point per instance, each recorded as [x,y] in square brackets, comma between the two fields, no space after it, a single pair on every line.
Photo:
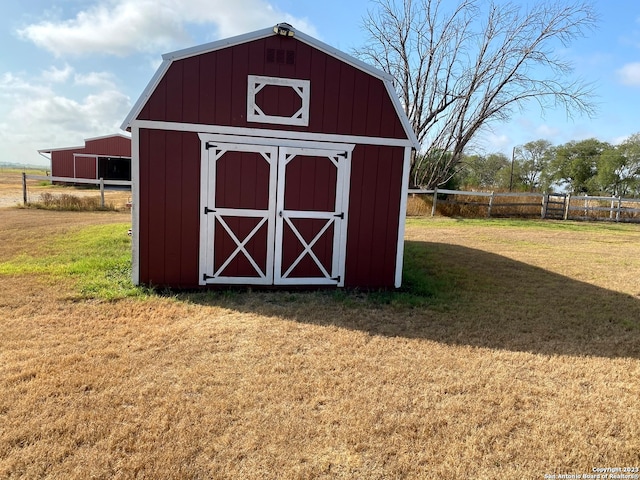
[274,214]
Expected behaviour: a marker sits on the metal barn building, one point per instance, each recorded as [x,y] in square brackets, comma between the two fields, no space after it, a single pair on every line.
[107,157]
[269,158]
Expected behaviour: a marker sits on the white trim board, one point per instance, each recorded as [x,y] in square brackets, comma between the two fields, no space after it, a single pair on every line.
[267,133]
[276,142]
[124,135]
[402,216]
[96,155]
[135,206]
[255,83]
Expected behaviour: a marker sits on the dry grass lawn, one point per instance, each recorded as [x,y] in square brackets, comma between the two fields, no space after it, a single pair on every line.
[528,364]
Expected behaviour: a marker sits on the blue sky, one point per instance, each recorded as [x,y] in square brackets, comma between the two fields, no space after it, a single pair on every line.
[72,69]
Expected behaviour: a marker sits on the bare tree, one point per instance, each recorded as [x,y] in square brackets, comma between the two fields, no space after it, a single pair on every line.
[459,71]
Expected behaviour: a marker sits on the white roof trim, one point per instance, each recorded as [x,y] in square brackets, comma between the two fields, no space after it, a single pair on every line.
[168,58]
[123,135]
[59,149]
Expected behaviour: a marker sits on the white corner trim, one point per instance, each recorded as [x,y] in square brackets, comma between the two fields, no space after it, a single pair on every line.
[255,83]
[135,205]
[402,216]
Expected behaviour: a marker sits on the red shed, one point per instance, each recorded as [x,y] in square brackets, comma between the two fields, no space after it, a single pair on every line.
[269,158]
[107,157]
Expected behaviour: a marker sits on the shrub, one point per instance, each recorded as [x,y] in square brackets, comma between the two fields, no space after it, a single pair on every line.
[65,201]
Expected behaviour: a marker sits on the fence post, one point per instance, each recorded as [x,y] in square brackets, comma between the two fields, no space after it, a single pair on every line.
[490,205]
[613,199]
[24,188]
[586,206]
[101,192]
[567,206]
[619,208]
[545,202]
[435,200]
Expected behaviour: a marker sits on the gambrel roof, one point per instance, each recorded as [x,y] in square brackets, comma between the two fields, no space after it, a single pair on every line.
[169,58]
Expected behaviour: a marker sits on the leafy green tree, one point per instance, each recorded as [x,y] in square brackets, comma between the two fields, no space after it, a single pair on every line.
[576,164]
[533,159]
[630,150]
[612,173]
[485,172]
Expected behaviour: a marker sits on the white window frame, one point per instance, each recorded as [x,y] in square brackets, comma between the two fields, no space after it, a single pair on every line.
[255,114]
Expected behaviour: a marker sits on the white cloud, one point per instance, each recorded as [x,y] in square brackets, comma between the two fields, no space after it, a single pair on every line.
[546,131]
[13,86]
[95,79]
[57,75]
[35,116]
[122,27]
[630,74]
[497,142]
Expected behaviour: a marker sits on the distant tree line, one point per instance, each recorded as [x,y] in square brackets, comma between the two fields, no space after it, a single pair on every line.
[587,167]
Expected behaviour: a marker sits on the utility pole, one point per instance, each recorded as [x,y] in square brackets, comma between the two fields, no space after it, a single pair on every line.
[513,156]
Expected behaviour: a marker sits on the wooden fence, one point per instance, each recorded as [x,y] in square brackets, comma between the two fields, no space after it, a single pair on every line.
[551,206]
[85,181]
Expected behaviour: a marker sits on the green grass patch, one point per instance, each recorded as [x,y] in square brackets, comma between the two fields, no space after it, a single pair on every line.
[424,282]
[97,259]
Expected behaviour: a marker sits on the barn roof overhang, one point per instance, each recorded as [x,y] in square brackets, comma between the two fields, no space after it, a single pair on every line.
[61,149]
[82,147]
[169,58]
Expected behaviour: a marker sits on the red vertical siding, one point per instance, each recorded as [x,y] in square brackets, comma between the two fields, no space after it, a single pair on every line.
[157,207]
[317,101]
[190,239]
[190,101]
[173,209]
[169,206]
[62,163]
[85,167]
[114,146]
[223,64]
[374,206]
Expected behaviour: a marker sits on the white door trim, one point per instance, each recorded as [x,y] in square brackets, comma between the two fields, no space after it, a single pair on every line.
[341,159]
[274,151]
[211,152]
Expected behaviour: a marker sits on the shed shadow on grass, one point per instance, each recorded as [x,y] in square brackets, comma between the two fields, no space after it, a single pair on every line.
[461,296]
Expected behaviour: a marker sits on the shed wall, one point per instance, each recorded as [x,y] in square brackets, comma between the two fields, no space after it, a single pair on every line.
[169,211]
[169,208]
